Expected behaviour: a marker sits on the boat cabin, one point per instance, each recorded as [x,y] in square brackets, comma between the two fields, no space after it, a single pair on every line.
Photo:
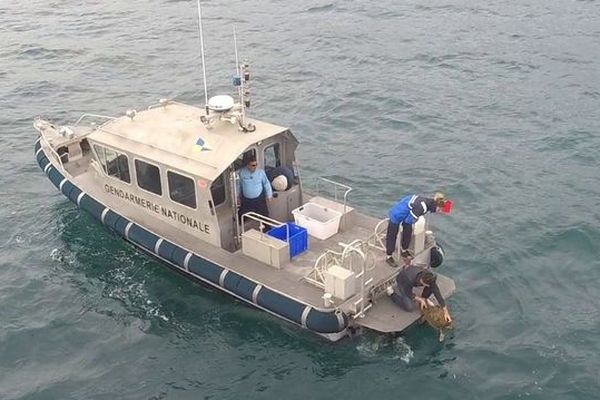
[166,160]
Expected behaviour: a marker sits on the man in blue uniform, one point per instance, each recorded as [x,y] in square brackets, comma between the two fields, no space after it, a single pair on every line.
[406,212]
[413,276]
[254,188]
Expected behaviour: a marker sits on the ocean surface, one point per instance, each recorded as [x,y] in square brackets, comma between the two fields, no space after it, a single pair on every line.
[496,103]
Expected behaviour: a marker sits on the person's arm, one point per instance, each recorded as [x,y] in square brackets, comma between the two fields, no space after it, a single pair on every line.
[410,219]
[438,295]
[267,185]
[414,213]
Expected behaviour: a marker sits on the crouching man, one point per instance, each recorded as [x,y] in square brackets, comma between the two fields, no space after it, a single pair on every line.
[414,276]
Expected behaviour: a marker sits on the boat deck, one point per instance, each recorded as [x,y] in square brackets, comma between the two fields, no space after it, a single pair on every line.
[384,316]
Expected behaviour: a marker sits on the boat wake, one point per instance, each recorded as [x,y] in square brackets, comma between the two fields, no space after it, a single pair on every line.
[126,288]
[394,348]
[123,284]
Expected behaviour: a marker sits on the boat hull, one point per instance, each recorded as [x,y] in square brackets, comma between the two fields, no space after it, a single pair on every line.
[331,324]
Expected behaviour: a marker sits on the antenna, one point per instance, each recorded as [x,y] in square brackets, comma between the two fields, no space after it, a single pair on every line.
[224,107]
[202,54]
[237,64]
[237,68]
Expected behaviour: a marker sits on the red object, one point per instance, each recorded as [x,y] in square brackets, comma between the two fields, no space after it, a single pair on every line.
[447,207]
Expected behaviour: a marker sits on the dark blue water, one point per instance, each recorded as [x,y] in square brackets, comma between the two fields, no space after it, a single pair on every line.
[497,104]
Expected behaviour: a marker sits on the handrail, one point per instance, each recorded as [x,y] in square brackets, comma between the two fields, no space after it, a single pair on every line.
[233,182]
[332,257]
[327,258]
[343,259]
[55,155]
[335,195]
[376,236]
[375,240]
[296,171]
[87,115]
[261,219]
[40,125]
[169,102]
[335,186]
[161,103]
[153,106]
[355,246]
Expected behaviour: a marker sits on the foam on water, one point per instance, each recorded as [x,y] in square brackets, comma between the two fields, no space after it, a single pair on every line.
[383,347]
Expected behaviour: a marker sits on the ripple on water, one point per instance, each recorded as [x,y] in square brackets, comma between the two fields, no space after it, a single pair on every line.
[379,348]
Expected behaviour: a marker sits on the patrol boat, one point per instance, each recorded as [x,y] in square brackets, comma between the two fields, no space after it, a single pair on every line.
[165,180]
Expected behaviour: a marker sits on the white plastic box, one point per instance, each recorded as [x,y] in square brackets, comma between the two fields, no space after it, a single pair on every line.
[320,222]
[340,282]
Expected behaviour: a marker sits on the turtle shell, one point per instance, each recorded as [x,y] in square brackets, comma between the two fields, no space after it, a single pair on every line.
[434,315]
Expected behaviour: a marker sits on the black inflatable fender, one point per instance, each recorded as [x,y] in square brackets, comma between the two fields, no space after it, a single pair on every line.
[437,256]
[321,321]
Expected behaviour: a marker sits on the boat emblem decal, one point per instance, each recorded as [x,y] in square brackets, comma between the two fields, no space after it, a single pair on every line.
[201,146]
[202,184]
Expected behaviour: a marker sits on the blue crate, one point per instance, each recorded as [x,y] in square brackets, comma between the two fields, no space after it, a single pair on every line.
[298,242]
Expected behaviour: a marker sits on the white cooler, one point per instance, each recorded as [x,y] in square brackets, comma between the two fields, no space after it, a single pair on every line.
[320,222]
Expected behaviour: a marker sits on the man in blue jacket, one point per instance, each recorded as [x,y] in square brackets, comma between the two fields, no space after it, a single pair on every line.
[406,212]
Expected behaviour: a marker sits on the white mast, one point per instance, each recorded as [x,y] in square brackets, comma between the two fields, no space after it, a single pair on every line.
[241,86]
[237,64]
[202,54]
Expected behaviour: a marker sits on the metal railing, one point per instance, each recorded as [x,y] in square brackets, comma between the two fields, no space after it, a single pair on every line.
[347,190]
[377,238]
[161,103]
[337,187]
[262,221]
[87,115]
[55,155]
[332,257]
[322,263]
[296,171]
[344,259]
[233,182]
[171,101]
[356,247]
[40,125]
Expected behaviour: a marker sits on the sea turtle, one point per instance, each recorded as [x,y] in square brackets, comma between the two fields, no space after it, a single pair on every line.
[434,316]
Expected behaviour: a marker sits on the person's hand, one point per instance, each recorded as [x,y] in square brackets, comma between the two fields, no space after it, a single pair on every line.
[447,315]
[421,302]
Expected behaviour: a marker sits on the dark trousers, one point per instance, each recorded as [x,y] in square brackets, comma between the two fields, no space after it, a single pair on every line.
[258,205]
[392,233]
[406,303]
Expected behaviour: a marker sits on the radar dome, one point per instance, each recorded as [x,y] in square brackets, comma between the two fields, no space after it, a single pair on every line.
[220,103]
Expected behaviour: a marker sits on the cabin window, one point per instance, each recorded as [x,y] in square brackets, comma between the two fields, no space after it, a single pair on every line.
[148,177]
[113,163]
[272,156]
[217,190]
[181,189]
